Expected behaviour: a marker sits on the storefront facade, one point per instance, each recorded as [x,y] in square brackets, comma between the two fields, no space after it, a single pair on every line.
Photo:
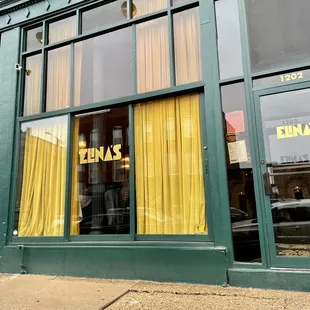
[156,139]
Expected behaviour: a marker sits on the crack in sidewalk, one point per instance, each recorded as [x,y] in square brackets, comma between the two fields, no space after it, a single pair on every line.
[118,297]
[197,294]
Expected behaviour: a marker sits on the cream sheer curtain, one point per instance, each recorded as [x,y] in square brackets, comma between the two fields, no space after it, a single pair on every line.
[170,196]
[58,66]
[62,29]
[78,60]
[32,85]
[149,6]
[44,178]
[187,46]
[58,79]
[82,71]
[153,65]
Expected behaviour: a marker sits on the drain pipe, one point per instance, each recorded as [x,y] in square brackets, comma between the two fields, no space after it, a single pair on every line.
[23,269]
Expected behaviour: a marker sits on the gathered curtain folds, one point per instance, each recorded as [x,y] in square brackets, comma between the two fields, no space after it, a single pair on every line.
[170,196]
[146,7]
[62,30]
[75,205]
[44,181]
[187,46]
[32,82]
[58,79]
[153,65]
[78,60]
[58,66]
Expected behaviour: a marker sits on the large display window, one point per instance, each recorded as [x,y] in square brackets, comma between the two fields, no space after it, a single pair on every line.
[168,185]
[170,195]
[100,173]
[40,205]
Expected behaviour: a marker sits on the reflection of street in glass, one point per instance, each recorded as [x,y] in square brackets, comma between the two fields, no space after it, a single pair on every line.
[291,225]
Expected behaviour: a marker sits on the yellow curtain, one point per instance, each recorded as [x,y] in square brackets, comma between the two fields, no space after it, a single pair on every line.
[153,69]
[75,205]
[58,79]
[32,85]
[169,178]
[187,46]
[44,180]
[144,7]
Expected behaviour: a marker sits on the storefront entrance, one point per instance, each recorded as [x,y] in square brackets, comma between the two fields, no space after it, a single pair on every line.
[283,140]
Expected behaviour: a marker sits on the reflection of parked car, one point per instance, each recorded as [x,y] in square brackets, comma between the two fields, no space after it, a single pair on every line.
[291,223]
[237,215]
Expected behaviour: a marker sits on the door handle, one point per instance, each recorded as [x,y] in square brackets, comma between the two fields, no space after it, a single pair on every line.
[267,185]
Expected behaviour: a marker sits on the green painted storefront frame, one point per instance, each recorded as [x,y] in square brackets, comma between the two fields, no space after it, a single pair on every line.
[220,238]
[72,111]
[269,258]
[181,259]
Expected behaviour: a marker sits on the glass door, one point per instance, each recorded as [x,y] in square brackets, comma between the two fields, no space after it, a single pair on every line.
[283,126]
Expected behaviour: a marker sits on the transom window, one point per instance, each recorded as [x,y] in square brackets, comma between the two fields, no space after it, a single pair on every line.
[109,58]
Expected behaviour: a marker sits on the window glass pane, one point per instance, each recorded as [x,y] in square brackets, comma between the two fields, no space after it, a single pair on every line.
[285,125]
[62,29]
[278,33]
[239,172]
[187,46]
[34,38]
[143,7]
[104,15]
[104,67]
[100,174]
[32,93]
[170,195]
[229,42]
[178,2]
[153,65]
[58,79]
[42,178]
[286,131]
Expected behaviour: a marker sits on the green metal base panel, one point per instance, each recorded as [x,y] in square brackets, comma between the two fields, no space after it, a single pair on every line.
[205,265]
[293,280]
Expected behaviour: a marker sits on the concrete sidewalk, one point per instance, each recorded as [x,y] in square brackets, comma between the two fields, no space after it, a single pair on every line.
[23,292]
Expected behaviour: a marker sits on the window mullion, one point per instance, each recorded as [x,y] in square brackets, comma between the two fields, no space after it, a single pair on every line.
[134,54]
[67,217]
[132,189]
[21,77]
[171,49]
[129,9]
[72,76]
[78,15]
[44,68]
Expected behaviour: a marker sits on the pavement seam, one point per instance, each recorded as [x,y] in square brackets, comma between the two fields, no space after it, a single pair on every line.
[118,297]
[114,300]
[198,294]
